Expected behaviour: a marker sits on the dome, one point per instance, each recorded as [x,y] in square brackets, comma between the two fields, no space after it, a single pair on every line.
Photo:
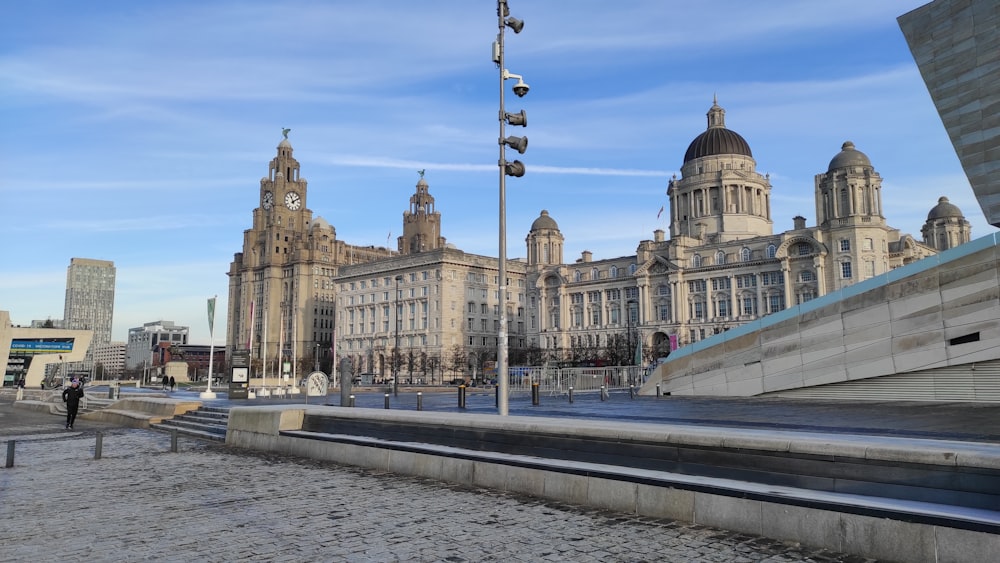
[717,140]
[284,144]
[544,222]
[848,156]
[943,210]
[320,223]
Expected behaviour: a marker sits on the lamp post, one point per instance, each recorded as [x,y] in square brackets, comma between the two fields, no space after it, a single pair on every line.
[516,169]
[395,350]
[316,356]
[628,334]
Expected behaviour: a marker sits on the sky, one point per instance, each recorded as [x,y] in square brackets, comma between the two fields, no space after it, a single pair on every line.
[138,132]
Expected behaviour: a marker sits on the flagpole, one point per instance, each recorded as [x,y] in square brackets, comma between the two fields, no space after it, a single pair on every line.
[263,375]
[207,393]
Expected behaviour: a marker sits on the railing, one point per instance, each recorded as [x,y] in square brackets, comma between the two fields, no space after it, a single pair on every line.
[557,381]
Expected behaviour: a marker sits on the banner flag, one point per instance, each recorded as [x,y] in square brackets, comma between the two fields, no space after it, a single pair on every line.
[211,316]
[660,213]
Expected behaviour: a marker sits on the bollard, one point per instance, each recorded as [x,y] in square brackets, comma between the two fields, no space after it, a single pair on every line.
[631,392]
[386,401]
[99,445]
[173,441]
[496,396]
[461,396]
[420,400]
[602,392]
[350,401]
[10,453]
[535,394]
[658,394]
[571,394]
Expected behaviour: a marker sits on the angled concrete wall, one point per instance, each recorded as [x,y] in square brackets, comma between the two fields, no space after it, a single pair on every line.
[939,318]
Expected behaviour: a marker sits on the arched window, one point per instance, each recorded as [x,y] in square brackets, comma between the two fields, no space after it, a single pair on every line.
[631,269]
[771,250]
[594,274]
[696,261]
[577,276]
[614,271]
[745,254]
[720,257]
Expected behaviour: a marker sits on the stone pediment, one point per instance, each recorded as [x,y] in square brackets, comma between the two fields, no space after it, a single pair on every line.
[657,265]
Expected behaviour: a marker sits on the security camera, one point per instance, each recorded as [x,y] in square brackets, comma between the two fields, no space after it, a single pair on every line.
[520,89]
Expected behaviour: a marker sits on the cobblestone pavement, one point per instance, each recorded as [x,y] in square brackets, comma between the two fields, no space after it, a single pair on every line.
[208,502]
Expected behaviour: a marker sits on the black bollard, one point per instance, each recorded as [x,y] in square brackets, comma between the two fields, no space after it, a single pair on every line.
[535,394]
[461,396]
[631,391]
[173,441]
[420,400]
[10,453]
[387,401]
[602,393]
[658,393]
[99,445]
[350,401]
[496,396]
[571,394]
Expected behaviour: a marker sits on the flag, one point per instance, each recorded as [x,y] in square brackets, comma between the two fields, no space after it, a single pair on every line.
[387,237]
[211,316]
[660,213]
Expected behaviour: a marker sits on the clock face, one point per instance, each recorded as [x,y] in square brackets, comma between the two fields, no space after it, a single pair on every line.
[268,200]
[293,201]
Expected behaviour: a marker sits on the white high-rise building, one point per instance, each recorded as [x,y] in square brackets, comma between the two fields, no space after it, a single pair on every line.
[144,339]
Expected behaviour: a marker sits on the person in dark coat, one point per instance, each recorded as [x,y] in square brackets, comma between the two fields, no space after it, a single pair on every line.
[173,382]
[166,382]
[71,396]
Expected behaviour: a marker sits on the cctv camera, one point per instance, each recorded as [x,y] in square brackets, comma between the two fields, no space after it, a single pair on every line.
[520,89]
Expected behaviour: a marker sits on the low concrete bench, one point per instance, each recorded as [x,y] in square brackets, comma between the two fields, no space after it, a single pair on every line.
[871,496]
[140,412]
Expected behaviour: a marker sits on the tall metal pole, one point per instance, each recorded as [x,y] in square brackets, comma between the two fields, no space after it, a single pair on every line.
[502,381]
[395,351]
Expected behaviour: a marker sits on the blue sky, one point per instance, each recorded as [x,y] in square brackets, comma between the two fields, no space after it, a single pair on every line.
[138,132]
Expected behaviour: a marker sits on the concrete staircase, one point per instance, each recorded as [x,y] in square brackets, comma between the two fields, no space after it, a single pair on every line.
[209,423]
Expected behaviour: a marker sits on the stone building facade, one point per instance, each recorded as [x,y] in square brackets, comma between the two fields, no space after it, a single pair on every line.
[722,265]
[296,292]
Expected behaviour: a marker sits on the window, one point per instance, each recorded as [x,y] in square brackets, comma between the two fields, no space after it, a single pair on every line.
[577,317]
[593,296]
[806,276]
[804,249]
[721,283]
[845,270]
[696,261]
[867,244]
[723,307]
[631,269]
[663,289]
[771,250]
[869,268]
[577,276]
[720,257]
[613,294]
[614,271]
[775,303]
[696,286]
[750,305]
[615,315]
[595,274]
[772,278]
[845,245]
[595,316]
[745,254]
[631,293]
[746,280]
[576,298]
[664,312]
[698,309]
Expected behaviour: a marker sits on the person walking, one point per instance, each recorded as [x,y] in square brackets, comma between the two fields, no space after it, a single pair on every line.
[165,381]
[173,382]
[71,396]
[20,389]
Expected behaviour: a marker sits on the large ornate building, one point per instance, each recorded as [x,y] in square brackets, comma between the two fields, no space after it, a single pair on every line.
[723,265]
[295,282]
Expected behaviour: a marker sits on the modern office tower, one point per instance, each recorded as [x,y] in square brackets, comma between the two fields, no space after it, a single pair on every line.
[90,301]
[151,337]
